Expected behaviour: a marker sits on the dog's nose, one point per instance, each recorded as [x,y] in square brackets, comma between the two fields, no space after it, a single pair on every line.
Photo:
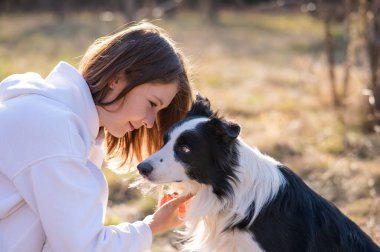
[145,168]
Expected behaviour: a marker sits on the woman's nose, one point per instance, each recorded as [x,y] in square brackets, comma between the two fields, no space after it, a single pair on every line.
[149,120]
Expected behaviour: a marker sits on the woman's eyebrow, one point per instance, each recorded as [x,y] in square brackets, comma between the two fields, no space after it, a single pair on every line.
[161,103]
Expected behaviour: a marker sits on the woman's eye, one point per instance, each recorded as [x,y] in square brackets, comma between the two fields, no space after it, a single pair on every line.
[184,149]
[152,104]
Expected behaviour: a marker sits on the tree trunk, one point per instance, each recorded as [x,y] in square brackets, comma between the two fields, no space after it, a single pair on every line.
[373,42]
[349,50]
[130,10]
[329,48]
[210,8]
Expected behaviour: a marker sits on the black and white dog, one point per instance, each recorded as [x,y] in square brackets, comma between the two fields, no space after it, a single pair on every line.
[244,200]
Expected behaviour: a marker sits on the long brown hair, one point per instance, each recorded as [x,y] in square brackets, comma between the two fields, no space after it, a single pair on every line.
[145,54]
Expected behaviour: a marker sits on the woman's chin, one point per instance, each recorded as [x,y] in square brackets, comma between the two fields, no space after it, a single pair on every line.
[118,134]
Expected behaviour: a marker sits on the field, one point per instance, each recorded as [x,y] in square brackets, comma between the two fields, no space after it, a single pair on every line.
[266,71]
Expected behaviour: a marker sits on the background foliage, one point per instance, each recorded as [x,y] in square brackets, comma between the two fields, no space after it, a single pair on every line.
[264,64]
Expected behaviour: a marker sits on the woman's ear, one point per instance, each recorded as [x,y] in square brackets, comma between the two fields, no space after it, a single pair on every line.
[116,80]
[112,84]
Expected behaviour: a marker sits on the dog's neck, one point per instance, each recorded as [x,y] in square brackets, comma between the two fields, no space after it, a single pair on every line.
[260,180]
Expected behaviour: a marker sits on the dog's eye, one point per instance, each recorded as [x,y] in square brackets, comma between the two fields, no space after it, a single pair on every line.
[184,149]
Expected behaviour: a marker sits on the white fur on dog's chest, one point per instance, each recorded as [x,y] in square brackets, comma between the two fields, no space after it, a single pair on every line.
[210,238]
[206,224]
[236,241]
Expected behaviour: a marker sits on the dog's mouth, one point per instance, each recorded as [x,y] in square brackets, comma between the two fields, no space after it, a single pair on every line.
[159,182]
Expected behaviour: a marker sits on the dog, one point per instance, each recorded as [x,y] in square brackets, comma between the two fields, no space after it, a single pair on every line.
[244,200]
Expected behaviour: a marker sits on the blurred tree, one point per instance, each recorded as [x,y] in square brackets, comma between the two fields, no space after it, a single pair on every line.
[331,11]
[168,8]
[211,9]
[134,10]
[372,22]
[130,9]
[361,20]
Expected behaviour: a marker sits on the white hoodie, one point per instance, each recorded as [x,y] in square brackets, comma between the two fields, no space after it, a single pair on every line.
[53,194]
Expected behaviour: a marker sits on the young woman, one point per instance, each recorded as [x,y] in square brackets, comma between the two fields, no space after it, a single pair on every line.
[129,89]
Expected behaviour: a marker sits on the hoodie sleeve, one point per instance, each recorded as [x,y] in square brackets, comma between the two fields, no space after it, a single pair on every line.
[64,193]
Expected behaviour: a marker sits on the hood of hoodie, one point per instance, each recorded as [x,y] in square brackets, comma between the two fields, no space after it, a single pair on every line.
[64,84]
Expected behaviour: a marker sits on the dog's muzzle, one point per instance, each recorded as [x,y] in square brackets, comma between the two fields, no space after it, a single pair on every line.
[145,169]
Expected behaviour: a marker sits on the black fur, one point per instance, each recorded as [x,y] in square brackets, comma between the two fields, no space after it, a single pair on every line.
[199,108]
[298,219]
[213,145]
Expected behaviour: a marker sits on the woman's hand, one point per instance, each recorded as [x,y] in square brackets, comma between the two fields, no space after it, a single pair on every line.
[167,216]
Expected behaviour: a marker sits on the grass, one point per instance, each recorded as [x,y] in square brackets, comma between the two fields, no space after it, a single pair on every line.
[265,71]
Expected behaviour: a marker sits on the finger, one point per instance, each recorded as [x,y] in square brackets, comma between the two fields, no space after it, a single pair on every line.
[176,202]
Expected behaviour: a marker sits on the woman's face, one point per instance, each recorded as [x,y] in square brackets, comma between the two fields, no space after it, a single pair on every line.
[139,107]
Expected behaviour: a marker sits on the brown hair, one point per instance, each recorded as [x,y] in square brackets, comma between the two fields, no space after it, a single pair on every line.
[145,54]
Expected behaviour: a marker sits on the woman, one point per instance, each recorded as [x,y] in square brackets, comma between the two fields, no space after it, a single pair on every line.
[130,87]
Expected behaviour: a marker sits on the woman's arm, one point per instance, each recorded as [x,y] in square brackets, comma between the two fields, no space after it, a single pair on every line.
[66,195]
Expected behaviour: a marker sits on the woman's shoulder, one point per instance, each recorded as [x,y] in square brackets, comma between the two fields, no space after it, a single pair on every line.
[36,127]
[34,110]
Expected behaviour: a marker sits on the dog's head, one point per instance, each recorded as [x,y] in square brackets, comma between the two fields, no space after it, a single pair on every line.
[202,147]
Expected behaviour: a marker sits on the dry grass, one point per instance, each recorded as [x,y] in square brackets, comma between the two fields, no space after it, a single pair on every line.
[265,71]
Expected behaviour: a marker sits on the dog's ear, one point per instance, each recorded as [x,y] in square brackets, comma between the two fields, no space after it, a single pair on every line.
[200,107]
[228,131]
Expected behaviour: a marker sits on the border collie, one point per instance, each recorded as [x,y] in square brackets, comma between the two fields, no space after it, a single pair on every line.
[244,200]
